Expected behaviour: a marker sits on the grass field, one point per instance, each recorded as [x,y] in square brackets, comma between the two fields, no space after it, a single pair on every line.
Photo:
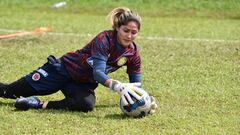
[190,56]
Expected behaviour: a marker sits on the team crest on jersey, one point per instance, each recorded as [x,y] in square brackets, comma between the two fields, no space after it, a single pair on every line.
[122,61]
[36,76]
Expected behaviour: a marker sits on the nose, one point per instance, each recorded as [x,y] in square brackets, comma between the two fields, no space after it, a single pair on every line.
[129,35]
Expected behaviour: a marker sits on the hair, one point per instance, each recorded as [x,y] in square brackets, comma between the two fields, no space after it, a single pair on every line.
[121,16]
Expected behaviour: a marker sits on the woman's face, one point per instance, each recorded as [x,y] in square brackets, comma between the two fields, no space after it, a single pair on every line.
[127,33]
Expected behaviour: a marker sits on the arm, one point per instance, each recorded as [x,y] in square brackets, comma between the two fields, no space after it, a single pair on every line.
[134,68]
[136,77]
[124,89]
[99,75]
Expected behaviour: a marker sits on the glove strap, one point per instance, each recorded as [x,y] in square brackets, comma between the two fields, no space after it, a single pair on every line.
[112,84]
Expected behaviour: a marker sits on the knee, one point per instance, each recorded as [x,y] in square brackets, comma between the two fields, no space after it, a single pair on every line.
[83,106]
[86,106]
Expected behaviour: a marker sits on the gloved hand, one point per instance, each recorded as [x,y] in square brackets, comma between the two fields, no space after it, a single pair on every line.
[23,103]
[153,105]
[126,89]
[119,87]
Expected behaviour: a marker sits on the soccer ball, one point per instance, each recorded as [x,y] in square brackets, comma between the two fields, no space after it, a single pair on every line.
[140,108]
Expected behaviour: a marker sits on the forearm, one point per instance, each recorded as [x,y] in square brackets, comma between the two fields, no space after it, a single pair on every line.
[99,74]
[135,77]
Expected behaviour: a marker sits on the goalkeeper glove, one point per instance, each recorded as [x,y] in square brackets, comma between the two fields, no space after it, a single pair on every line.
[23,103]
[119,87]
[153,105]
[126,90]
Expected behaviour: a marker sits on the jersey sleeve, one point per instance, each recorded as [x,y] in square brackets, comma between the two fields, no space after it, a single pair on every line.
[134,64]
[99,74]
[99,57]
[134,77]
[100,47]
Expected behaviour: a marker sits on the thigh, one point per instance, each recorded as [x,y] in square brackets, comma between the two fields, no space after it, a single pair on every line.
[47,80]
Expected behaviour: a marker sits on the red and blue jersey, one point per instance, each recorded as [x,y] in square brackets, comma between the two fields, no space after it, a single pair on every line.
[104,48]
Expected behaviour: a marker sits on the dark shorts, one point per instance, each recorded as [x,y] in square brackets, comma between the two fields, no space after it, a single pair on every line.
[53,76]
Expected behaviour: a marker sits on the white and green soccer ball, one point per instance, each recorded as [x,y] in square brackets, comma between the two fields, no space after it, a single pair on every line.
[142,107]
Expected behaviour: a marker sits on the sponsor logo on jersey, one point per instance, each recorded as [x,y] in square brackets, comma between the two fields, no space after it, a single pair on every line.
[122,61]
[36,76]
[43,72]
[90,61]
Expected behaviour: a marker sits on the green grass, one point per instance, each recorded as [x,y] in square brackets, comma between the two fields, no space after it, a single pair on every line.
[195,82]
[154,8]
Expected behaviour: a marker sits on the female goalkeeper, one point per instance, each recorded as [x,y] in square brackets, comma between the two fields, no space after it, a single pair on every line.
[78,73]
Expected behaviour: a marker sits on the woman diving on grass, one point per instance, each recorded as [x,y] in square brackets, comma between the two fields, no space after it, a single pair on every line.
[77,74]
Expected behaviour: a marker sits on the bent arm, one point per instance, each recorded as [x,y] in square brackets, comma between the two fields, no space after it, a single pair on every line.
[99,75]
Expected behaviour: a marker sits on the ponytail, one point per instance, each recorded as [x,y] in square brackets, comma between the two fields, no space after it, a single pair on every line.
[121,16]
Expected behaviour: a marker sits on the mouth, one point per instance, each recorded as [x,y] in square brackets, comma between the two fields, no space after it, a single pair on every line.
[126,40]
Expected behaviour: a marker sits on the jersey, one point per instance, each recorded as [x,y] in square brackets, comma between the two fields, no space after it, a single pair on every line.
[105,47]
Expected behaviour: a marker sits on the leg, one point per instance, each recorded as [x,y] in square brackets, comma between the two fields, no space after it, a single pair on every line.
[16,89]
[79,97]
[46,80]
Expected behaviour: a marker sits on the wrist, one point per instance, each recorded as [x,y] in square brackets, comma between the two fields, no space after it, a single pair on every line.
[107,83]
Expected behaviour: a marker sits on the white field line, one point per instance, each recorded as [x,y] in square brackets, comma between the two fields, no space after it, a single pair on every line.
[141,37]
[190,39]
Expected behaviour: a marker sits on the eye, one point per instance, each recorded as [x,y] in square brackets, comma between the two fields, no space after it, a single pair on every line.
[126,30]
[134,32]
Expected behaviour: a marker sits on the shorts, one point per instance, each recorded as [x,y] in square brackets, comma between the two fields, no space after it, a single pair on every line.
[53,76]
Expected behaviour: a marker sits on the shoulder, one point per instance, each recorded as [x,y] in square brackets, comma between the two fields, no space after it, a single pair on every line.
[106,34]
[135,47]
[105,38]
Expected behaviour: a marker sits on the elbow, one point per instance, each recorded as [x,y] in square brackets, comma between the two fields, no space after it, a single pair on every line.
[96,74]
[100,76]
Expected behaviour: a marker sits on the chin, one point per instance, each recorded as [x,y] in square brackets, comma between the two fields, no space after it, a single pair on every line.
[126,45]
